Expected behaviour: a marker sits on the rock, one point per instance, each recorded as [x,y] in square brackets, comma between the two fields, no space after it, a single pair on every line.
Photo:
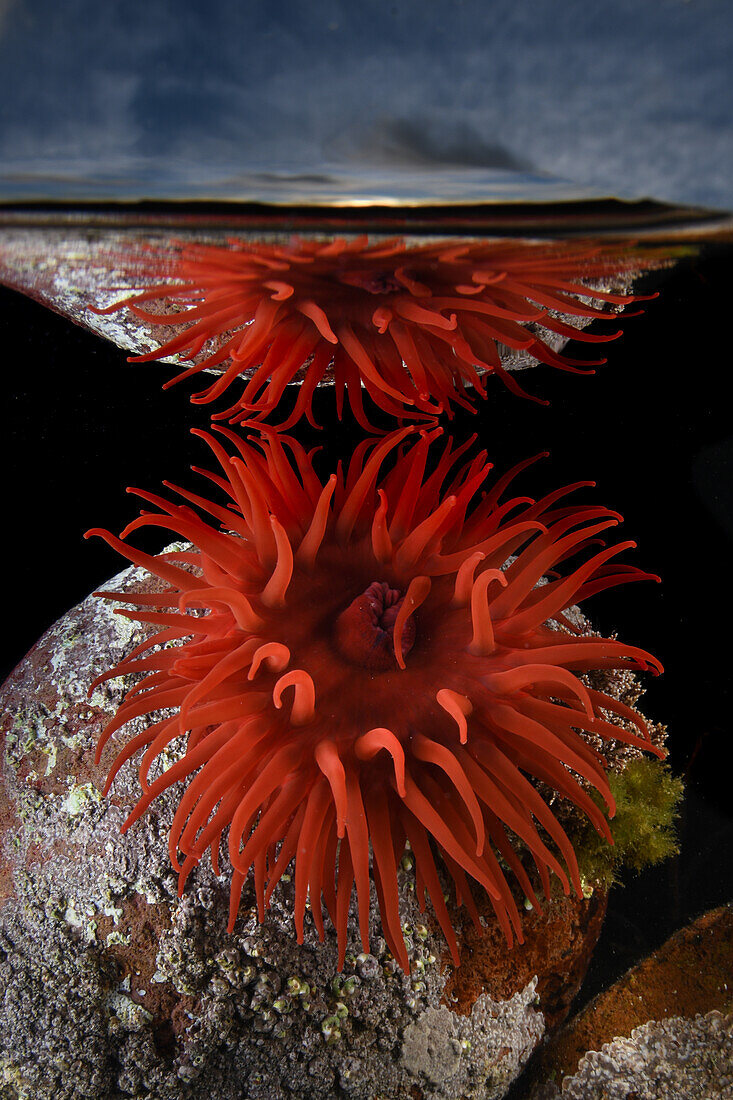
[662,1059]
[116,987]
[664,1030]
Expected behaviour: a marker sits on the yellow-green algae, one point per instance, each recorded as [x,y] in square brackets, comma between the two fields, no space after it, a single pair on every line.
[648,798]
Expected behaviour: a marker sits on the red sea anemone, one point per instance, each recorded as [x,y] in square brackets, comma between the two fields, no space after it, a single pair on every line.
[414,325]
[368,661]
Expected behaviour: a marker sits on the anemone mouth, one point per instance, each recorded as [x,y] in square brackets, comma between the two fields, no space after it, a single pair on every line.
[366,662]
[416,327]
[365,630]
[373,282]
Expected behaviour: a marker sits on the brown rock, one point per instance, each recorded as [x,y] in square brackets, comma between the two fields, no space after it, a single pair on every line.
[557,948]
[690,976]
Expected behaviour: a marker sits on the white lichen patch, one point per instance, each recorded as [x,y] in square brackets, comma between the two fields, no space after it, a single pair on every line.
[78,799]
[110,910]
[73,918]
[115,937]
[440,1051]
[132,1015]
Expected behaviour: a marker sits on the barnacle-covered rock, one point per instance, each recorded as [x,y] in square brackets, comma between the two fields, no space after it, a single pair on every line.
[116,987]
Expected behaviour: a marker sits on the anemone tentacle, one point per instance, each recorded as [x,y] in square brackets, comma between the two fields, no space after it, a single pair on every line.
[376,658]
[416,326]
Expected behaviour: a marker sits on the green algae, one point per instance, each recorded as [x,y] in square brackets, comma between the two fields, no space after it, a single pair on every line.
[648,798]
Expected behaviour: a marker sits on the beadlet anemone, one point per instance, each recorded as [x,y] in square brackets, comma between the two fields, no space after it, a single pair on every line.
[376,659]
[415,326]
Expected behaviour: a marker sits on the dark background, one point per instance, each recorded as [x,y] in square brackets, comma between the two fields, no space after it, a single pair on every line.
[653,427]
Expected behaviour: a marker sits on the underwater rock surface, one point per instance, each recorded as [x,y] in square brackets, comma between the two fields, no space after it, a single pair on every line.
[115,987]
[664,1030]
[665,1058]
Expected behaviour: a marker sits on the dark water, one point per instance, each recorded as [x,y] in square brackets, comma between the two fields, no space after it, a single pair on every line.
[653,427]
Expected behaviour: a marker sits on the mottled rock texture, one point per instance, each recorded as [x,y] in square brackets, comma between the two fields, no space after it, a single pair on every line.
[664,1030]
[675,1059]
[114,987]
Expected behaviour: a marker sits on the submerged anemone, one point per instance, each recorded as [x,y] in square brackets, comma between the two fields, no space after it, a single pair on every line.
[415,326]
[370,661]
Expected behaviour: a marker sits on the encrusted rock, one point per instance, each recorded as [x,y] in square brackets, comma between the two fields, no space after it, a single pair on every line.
[116,987]
[661,1060]
[662,1032]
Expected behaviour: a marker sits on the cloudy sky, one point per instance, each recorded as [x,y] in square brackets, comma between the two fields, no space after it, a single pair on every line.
[169,98]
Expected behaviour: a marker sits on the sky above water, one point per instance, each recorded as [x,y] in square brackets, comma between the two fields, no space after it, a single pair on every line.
[175,99]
